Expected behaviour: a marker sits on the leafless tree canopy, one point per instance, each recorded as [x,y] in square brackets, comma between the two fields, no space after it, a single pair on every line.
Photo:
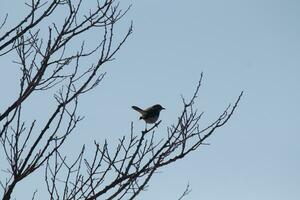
[44,53]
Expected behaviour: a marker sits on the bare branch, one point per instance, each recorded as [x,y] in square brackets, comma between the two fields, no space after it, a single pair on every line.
[186,192]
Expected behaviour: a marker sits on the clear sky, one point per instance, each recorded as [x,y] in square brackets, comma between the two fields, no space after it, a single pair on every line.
[250,45]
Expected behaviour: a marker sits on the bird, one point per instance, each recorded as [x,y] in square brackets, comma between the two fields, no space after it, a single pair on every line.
[151,114]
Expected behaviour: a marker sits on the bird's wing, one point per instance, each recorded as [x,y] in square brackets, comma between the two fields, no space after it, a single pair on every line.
[139,110]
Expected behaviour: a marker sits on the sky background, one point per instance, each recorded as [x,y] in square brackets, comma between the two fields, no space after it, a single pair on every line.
[249,45]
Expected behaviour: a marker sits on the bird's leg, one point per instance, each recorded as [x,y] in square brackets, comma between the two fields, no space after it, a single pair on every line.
[146,127]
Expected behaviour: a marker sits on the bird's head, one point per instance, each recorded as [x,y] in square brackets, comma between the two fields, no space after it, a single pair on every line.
[158,107]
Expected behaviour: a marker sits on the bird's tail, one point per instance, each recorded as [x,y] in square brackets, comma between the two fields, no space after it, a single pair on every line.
[138,109]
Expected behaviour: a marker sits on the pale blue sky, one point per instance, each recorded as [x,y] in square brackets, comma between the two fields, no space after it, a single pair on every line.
[250,45]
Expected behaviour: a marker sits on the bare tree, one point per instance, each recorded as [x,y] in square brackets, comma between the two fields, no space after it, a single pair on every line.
[44,52]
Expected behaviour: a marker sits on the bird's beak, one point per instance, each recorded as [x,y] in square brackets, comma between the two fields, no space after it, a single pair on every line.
[163,108]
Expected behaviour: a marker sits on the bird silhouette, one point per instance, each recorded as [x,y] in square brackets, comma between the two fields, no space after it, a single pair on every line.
[151,114]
